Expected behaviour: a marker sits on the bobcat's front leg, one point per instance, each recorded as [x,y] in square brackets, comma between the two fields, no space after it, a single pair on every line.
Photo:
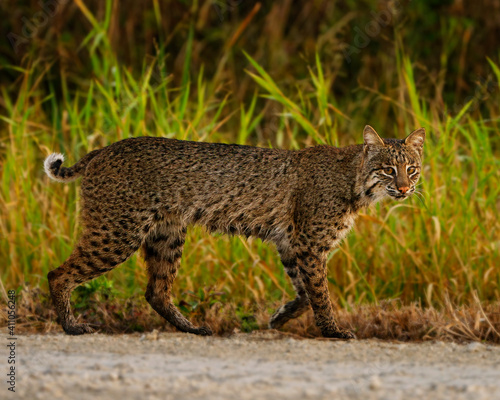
[313,272]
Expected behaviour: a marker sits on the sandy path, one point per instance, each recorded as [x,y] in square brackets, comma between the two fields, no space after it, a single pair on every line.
[250,366]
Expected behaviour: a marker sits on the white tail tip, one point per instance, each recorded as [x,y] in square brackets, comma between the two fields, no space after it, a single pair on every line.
[47,165]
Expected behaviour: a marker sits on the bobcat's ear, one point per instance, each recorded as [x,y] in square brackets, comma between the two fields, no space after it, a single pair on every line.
[371,137]
[416,139]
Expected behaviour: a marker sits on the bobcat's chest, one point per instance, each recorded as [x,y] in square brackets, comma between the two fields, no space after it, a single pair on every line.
[343,227]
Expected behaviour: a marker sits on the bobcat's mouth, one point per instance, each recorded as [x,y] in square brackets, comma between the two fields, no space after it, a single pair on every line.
[398,195]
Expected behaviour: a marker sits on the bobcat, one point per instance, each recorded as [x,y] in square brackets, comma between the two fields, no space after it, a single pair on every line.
[145,191]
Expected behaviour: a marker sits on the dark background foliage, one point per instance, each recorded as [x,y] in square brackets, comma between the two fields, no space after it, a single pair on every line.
[448,41]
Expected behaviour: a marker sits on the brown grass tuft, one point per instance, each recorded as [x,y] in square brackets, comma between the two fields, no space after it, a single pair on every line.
[389,320]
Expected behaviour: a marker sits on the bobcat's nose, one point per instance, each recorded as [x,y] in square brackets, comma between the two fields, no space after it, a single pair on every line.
[403,189]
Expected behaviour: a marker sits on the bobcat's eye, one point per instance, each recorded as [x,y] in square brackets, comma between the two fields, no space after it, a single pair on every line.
[411,170]
[389,171]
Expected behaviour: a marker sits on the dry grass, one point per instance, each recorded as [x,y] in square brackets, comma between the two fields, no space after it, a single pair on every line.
[389,320]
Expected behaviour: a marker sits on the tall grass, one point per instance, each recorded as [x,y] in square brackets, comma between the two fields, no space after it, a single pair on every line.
[443,242]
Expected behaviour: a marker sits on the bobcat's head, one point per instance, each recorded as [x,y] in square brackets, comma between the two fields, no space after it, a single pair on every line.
[391,166]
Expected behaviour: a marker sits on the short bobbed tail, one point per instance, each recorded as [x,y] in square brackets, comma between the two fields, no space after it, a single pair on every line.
[54,169]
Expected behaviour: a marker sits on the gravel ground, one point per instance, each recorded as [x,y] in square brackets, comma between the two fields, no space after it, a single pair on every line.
[262,365]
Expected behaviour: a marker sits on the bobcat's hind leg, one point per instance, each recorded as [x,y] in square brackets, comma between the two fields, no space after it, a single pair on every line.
[95,254]
[299,305]
[162,252]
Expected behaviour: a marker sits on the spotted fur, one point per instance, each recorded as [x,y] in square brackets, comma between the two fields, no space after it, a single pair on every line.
[144,193]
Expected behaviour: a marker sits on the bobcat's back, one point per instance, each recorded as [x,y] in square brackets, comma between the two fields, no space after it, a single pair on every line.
[227,188]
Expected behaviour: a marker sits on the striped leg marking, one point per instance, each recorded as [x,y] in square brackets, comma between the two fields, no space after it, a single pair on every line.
[163,251]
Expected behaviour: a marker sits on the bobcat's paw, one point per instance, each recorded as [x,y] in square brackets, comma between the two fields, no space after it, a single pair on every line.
[203,331]
[78,329]
[339,334]
[277,321]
